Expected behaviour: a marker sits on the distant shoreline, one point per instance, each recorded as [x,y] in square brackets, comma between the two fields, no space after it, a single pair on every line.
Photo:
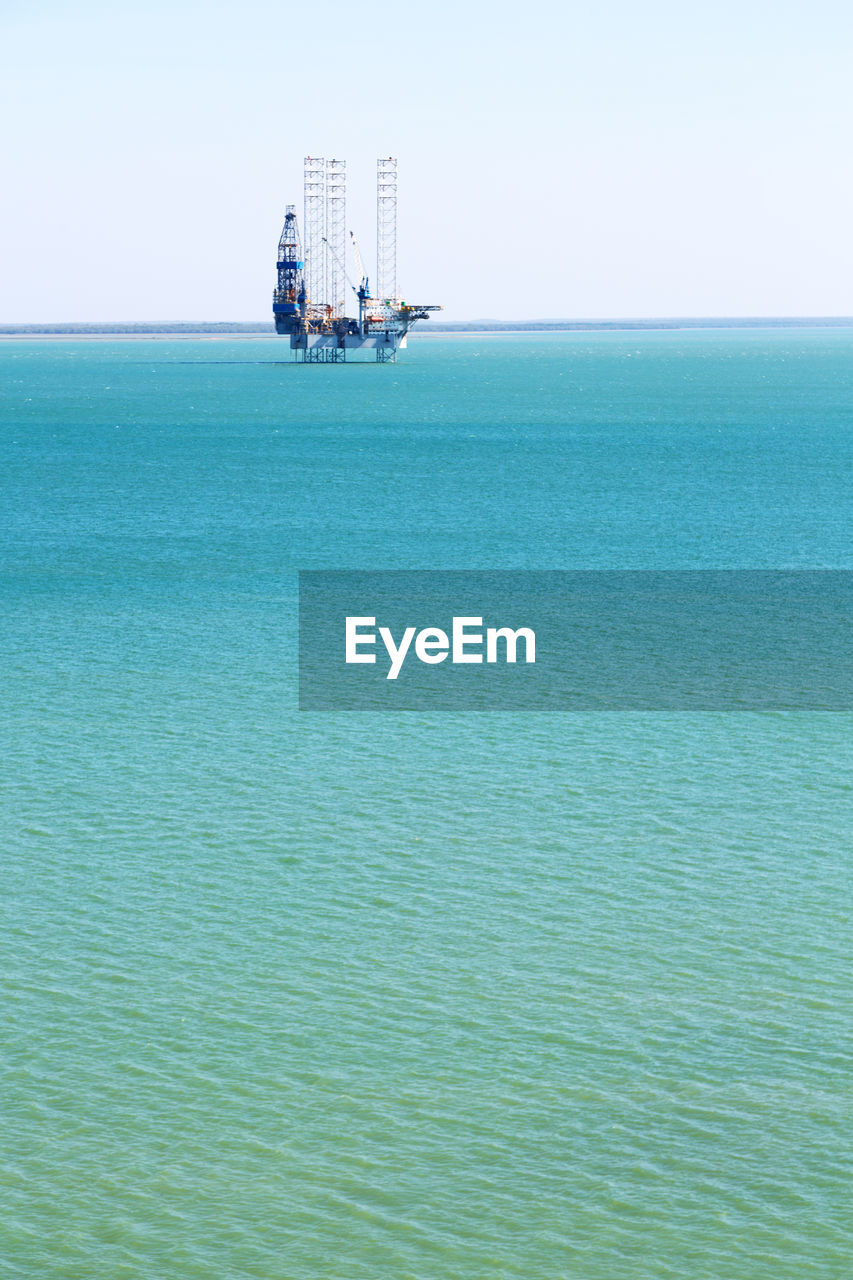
[225,329]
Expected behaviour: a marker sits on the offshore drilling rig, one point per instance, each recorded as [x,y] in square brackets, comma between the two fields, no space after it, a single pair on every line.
[309,300]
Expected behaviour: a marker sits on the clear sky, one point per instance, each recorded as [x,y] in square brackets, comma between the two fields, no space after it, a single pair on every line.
[605,159]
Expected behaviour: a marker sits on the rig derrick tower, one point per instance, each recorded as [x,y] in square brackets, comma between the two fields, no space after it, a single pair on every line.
[288,299]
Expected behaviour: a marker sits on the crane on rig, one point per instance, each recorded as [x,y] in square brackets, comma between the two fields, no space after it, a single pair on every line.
[362,290]
[362,278]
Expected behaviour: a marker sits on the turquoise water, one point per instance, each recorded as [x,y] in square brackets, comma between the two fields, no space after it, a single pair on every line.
[440,997]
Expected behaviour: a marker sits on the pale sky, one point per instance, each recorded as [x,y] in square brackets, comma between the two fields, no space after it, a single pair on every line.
[612,159]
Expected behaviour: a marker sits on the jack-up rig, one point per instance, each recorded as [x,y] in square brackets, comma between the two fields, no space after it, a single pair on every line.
[309,300]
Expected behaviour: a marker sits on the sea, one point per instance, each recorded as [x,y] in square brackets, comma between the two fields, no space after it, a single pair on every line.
[411,996]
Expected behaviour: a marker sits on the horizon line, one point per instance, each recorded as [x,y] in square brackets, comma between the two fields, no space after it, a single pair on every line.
[264,326]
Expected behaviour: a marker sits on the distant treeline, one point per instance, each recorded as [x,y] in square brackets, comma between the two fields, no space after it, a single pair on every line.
[203,326]
[586,326]
[267,329]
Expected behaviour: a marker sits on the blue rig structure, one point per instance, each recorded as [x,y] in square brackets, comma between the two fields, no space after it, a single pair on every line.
[309,300]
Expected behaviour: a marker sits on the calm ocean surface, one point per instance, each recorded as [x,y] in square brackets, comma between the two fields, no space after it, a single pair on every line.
[411,997]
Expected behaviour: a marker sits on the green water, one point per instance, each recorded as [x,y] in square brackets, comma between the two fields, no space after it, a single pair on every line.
[440,997]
